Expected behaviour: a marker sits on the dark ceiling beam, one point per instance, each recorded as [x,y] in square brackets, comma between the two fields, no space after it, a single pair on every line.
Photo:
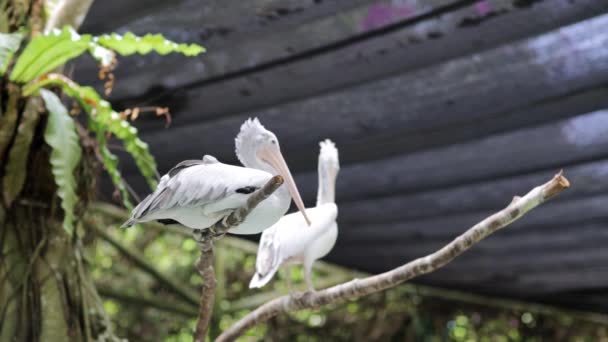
[260,71]
[589,179]
[550,147]
[526,240]
[580,139]
[241,41]
[464,89]
[478,271]
[442,228]
[108,15]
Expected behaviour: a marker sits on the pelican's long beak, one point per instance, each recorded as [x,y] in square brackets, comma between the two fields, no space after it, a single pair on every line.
[275,158]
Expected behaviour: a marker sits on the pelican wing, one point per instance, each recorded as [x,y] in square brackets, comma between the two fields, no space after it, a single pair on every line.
[268,259]
[206,184]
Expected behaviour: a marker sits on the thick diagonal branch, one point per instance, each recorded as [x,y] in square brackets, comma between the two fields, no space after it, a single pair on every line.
[360,287]
[204,264]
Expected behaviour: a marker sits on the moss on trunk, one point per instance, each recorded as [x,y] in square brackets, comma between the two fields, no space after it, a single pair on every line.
[46,293]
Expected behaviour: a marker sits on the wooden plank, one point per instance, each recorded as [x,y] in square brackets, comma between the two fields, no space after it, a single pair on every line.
[121,12]
[539,281]
[249,34]
[597,302]
[471,269]
[444,227]
[488,195]
[514,254]
[548,147]
[445,167]
[541,61]
[344,54]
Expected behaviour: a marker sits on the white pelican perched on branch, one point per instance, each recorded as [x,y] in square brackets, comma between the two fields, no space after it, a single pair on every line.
[289,241]
[199,193]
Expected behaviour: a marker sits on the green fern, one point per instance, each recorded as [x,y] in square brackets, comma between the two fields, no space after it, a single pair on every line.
[129,44]
[47,52]
[110,162]
[115,124]
[44,53]
[103,120]
[60,134]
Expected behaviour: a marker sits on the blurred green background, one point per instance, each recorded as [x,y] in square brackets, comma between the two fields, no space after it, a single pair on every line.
[146,305]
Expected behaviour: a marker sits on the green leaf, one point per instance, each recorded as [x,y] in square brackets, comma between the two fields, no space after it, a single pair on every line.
[47,52]
[110,162]
[103,120]
[129,44]
[9,43]
[115,124]
[8,120]
[60,135]
[16,167]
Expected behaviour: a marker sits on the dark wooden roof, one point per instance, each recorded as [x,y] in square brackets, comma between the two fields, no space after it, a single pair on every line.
[442,110]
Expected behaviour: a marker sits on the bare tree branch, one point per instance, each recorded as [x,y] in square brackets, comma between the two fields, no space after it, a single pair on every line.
[205,309]
[205,261]
[360,287]
[140,261]
[146,300]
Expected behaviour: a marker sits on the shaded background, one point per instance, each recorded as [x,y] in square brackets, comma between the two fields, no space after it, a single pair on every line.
[442,111]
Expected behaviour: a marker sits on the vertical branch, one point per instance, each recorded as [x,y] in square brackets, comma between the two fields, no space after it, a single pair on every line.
[204,263]
[205,310]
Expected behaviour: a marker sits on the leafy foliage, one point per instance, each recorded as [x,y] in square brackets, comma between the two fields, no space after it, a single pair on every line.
[14,174]
[404,313]
[9,43]
[103,120]
[47,52]
[129,44]
[60,134]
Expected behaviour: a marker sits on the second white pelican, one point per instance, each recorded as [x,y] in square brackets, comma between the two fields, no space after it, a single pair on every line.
[289,241]
[198,193]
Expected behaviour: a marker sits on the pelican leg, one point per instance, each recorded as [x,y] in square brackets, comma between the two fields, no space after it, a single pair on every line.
[293,290]
[290,287]
[200,235]
[308,276]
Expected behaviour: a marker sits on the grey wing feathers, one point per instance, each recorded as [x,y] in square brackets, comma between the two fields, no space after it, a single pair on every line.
[183,165]
[164,195]
[138,211]
[207,159]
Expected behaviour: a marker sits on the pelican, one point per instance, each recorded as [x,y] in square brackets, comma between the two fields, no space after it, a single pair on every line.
[287,242]
[198,193]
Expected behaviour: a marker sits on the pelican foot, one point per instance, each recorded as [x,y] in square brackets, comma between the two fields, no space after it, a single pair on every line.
[296,294]
[301,296]
[201,235]
[233,219]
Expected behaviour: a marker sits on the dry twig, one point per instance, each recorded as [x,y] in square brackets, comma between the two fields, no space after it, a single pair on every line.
[360,287]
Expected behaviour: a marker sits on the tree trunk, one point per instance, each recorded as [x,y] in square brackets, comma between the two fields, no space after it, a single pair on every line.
[46,292]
